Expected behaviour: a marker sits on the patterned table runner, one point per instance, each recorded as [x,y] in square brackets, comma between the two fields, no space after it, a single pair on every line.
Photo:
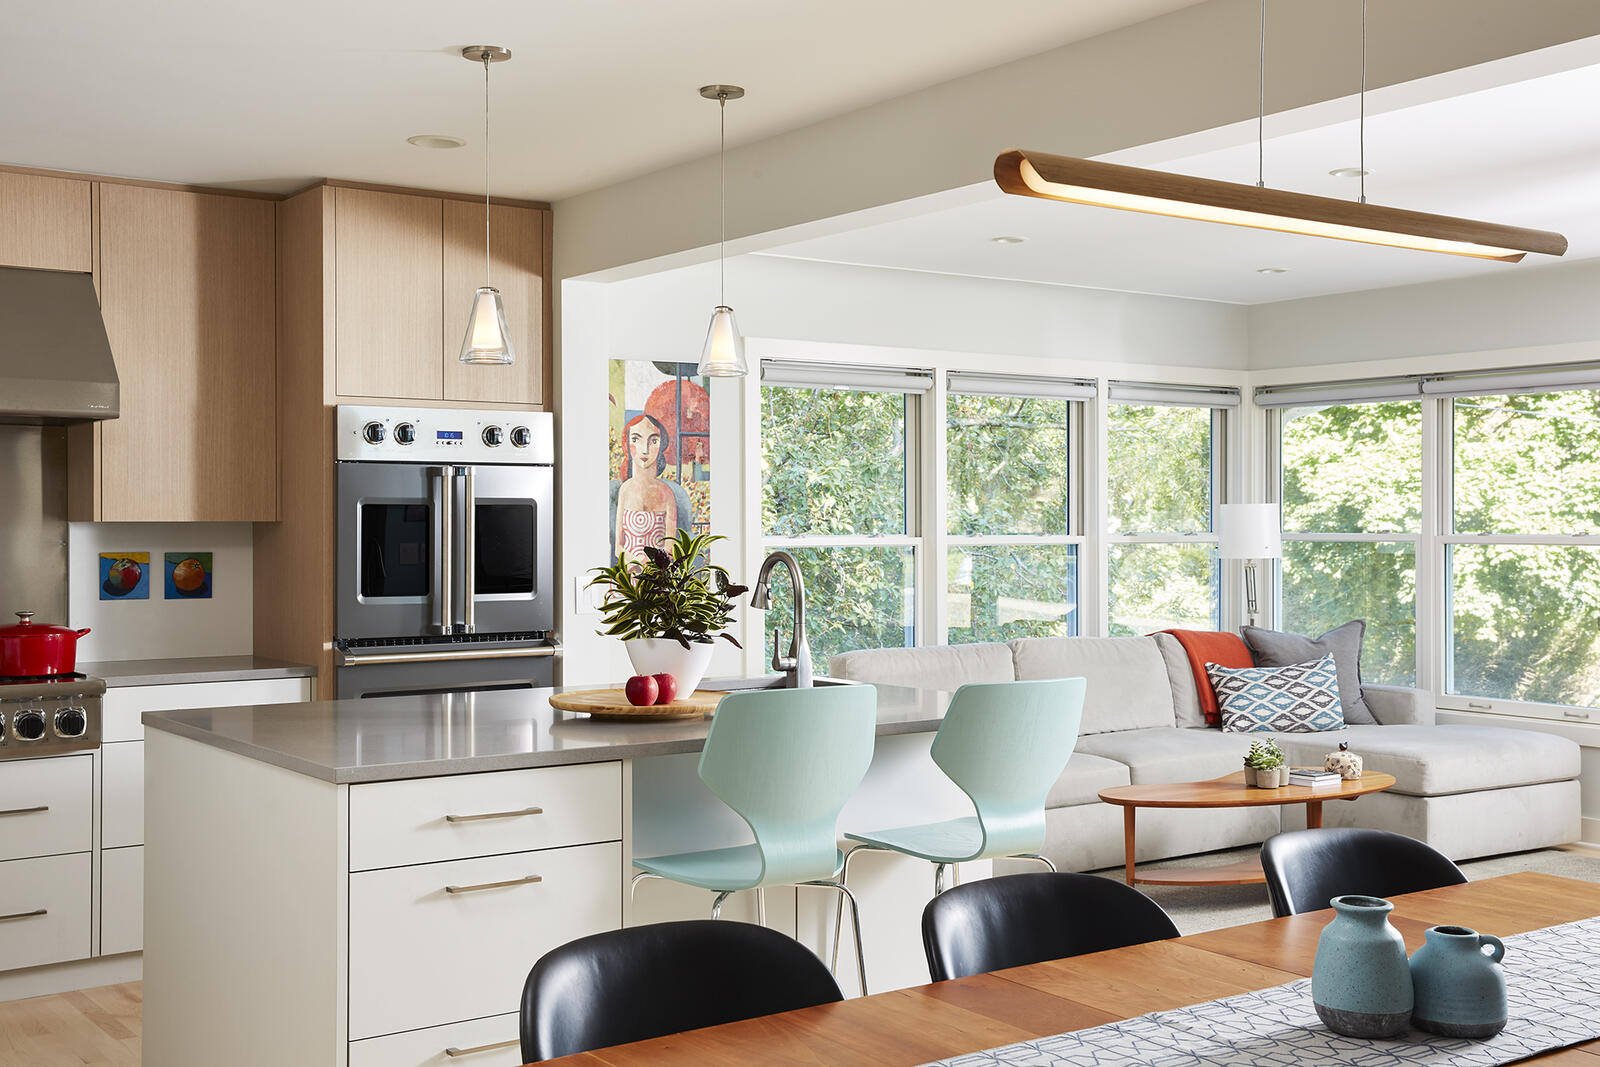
[1552,979]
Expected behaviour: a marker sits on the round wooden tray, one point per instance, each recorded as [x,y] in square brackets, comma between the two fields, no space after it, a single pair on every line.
[612,704]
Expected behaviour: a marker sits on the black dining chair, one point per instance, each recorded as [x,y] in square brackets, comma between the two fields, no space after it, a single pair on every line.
[1307,868]
[1029,918]
[647,981]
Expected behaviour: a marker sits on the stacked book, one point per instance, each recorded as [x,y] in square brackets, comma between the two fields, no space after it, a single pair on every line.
[1315,777]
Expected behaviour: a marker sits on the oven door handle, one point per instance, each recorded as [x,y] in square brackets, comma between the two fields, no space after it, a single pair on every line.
[444,502]
[469,535]
[376,659]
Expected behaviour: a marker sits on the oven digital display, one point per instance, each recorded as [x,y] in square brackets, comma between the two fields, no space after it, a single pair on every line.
[447,435]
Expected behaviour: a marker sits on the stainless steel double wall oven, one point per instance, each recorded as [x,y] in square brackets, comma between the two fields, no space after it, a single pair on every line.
[445,539]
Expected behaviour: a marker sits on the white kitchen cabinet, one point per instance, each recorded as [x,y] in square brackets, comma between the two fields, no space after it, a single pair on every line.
[121,900]
[123,705]
[492,1042]
[122,794]
[46,806]
[425,820]
[46,905]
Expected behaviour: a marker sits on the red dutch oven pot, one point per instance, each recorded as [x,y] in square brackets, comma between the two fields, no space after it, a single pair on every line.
[29,649]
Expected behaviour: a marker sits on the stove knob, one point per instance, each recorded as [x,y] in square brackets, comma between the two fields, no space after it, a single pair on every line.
[29,725]
[405,433]
[2,729]
[372,433]
[71,722]
[493,436]
[522,437]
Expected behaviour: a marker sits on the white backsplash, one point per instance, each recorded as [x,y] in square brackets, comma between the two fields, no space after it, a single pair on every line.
[158,628]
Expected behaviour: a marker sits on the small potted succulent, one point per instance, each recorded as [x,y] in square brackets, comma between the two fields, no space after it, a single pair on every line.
[1265,765]
[669,607]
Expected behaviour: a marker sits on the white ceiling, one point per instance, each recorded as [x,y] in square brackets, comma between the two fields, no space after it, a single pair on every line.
[1527,154]
[269,95]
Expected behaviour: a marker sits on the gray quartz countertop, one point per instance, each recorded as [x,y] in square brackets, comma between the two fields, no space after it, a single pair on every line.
[193,669]
[392,738]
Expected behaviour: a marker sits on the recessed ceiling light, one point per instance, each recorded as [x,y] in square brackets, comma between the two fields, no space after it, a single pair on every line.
[1008,240]
[435,140]
[1349,172]
[1272,270]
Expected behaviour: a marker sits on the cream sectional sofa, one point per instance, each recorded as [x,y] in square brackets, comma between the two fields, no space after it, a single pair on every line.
[1466,790]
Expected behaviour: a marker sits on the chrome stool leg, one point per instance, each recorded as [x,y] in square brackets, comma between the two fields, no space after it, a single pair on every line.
[633,883]
[855,922]
[761,906]
[838,911]
[716,905]
[938,878]
[1036,858]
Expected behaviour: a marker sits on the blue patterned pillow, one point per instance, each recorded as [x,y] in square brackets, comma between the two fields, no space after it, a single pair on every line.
[1300,698]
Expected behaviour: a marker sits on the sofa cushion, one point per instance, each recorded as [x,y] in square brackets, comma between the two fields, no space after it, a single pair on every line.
[1300,698]
[1180,675]
[1168,754]
[1128,687]
[1429,761]
[1272,648]
[1083,779]
[946,667]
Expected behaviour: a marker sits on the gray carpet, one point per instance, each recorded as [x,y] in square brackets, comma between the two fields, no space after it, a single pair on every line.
[1198,908]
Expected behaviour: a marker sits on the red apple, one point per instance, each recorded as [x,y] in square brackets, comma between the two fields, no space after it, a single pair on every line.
[640,690]
[667,688]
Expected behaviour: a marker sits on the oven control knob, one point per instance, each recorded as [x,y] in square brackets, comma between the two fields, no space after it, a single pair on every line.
[71,722]
[372,433]
[405,433]
[494,436]
[2,729]
[521,437]
[29,725]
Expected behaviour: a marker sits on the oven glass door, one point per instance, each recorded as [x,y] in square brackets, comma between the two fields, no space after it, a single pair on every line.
[393,541]
[506,567]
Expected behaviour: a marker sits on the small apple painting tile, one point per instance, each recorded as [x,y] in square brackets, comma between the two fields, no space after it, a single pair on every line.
[124,576]
[188,576]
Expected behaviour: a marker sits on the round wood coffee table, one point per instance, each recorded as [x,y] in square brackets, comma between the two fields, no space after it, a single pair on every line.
[1226,792]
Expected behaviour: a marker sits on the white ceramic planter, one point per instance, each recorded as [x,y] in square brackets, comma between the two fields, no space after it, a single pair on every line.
[662,655]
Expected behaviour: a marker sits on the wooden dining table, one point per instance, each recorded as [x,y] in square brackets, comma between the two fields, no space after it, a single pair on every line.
[944,1019]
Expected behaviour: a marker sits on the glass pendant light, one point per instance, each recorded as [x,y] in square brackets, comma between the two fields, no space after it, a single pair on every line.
[723,354]
[488,339]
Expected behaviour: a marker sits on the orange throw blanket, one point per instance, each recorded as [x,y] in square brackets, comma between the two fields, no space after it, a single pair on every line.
[1211,646]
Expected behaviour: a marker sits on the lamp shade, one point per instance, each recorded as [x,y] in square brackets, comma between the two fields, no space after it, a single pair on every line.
[1248,531]
[488,339]
[723,354]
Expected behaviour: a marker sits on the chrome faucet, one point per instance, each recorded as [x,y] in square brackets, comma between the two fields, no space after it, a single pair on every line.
[797,664]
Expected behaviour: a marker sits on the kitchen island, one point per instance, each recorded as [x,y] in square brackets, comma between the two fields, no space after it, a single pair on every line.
[368,881]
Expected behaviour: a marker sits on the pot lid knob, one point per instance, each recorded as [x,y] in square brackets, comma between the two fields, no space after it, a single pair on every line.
[26,617]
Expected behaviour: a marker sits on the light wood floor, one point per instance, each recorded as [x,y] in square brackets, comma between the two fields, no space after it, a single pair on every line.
[88,1026]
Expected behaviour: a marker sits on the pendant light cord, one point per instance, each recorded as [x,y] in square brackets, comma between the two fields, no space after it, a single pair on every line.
[1363,121]
[486,168]
[1261,102]
[722,200]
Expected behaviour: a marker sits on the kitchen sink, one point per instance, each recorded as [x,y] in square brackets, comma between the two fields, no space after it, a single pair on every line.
[765,681]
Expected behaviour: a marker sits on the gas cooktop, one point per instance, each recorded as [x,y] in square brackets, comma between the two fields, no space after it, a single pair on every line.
[49,716]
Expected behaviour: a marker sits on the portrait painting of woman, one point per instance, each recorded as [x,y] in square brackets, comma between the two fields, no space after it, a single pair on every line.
[660,443]
[647,508]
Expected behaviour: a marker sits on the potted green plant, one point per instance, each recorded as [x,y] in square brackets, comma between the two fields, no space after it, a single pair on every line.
[669,607]
[1265,765]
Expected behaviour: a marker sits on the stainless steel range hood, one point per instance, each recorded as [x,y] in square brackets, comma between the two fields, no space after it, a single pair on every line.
[55,361]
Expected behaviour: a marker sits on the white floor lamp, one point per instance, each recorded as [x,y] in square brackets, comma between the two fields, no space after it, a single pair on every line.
[1249,532]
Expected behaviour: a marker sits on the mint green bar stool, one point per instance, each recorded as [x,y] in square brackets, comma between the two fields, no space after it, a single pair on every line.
[1004,744]
[785,760]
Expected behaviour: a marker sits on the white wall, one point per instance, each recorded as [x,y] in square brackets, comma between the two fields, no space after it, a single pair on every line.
[157,628]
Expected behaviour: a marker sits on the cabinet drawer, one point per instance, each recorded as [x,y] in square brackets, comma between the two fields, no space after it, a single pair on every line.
[51,802]
[123,705]
[49,898]
[421,955]
[426,820]
[121,900]
[122,794]
[479,1043]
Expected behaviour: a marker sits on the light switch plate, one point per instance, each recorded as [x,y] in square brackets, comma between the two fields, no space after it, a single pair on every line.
[585,600]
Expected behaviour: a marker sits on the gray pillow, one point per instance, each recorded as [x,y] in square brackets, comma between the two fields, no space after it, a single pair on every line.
[1272,648]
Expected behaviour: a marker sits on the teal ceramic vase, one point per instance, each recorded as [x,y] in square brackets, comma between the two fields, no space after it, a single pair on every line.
[1460,988]
[1361,980]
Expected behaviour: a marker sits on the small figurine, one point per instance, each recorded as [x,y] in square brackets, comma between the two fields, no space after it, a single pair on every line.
[1347,763]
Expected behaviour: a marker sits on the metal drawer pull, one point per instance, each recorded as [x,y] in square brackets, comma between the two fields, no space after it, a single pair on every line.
[34,914]
[495,815]
[529,880]
[453,1052]
[36,809]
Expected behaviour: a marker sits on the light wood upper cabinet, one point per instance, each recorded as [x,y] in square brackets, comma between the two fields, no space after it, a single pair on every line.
[516,268]
[388,294]
[187,290]
[45,222]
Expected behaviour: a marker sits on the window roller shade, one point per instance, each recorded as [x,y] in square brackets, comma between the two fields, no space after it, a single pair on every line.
[1415,386]
[1529,380]
[801,375]
[1310,394]
[980,384]
[1195,396]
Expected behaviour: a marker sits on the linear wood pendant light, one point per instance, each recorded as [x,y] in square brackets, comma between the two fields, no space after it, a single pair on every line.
[1087,181]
